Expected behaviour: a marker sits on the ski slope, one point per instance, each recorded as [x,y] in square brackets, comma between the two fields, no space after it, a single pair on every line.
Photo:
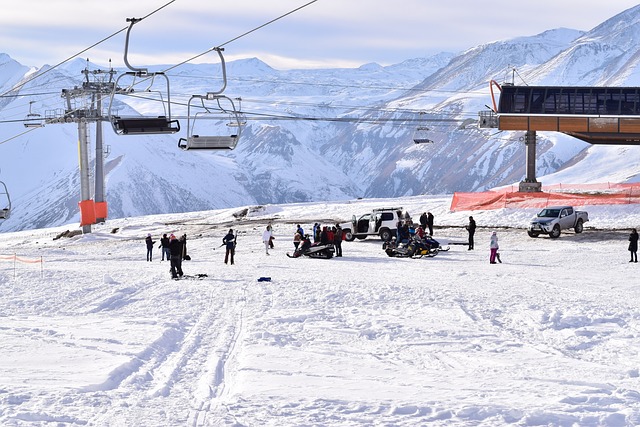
[95,335]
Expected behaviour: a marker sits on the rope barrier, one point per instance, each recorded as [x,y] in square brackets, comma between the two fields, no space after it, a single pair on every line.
[16,259]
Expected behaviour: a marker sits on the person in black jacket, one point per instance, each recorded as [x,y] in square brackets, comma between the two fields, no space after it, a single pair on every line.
[337,240]
[633,245]
[423,220]
[471,228]
[430,223]
[149,241]
[175,248]
[183,240]
[164,247]
[230,243]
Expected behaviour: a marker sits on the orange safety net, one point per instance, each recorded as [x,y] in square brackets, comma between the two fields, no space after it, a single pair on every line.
[558,194]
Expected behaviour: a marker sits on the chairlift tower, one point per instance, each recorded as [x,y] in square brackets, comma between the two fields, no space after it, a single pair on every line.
[89,98]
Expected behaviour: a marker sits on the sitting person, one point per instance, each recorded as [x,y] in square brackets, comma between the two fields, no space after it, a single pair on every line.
[306,244]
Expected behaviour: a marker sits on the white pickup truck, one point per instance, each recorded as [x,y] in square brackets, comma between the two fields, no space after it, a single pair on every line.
[553,219]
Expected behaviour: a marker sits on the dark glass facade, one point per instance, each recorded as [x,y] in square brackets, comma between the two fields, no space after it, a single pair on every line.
[556,100]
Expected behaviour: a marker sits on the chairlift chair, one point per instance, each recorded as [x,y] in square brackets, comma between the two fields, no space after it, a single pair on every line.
[487,119]
[216,115]
[33,120]
[5,201]
[213,107]
[142,125]
[420,136]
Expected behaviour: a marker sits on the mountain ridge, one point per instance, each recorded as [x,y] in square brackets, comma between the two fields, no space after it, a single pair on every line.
[313,135]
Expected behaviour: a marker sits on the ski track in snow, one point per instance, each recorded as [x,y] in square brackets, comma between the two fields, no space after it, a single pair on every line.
[362,340]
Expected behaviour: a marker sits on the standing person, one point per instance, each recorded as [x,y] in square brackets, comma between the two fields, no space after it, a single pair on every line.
[430,223]
[337,240]
[230,243]
[164,247]
[299,230]
[423,220]
[633,245]
[175,249]
[149,241]
[267,236]
[183,240]
[317,235]
[297,238]
[471,228]
[331,232]
[324,237]
[493,246]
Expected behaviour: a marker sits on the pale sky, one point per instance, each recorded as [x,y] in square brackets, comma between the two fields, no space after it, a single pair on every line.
[326,33]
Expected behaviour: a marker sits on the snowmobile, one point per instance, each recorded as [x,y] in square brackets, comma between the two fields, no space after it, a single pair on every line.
[414,248]
[313,250]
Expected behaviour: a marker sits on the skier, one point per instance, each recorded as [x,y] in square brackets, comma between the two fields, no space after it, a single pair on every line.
[149,241]
[230,243]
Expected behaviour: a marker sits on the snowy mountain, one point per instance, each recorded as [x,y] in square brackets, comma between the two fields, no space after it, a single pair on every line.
[312,135]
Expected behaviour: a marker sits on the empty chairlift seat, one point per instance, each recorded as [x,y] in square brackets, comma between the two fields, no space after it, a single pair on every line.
[197,142]
[144,125]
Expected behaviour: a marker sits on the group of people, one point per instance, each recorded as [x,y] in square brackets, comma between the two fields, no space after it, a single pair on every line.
[323,235]
[493,241]
[173,248]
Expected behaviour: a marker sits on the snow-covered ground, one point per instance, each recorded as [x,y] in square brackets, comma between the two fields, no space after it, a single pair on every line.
[97,336]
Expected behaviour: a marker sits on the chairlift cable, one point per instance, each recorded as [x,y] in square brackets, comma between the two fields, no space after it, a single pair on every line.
[241,35]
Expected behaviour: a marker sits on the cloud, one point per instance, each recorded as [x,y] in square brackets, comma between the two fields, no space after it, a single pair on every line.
[347,32]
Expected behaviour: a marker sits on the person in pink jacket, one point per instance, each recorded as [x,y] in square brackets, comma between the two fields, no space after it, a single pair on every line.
[493,246]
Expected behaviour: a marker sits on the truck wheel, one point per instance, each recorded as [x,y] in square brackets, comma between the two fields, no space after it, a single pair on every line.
[385,234]
[555,233]
[579,227]
[532,234]
[348,235]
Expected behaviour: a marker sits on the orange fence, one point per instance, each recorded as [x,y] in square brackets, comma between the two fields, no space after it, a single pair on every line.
[16,259]
[557,194]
